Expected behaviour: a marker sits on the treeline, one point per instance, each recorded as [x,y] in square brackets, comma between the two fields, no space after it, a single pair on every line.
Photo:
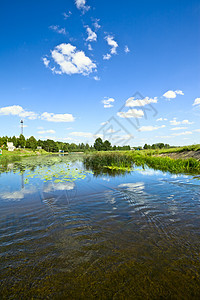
[52,146]
[157,146]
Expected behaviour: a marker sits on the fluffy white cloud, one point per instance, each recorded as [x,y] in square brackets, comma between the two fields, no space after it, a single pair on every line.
[96,78]
[45,61]
[57,29]
[81,4]
[150,128]
[182,133]
[17,110]
[92,36]
[172,94]
[107,102]
[112,43]
[47,131]
[174,122]
[178,128]
[161,119]
[131,102]
[131,113]
[51,117]
[197,130]
[82,134]
[106,56]
[126,49]
[71,61]
[196,101]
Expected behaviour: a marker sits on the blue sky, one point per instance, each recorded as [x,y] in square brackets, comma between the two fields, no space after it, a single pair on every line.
[127,71]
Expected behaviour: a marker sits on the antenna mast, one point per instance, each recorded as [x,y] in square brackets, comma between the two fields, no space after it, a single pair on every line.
[22,127]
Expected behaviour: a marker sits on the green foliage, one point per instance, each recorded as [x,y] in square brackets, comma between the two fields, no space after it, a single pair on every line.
[140,158]
[31,143]
[21,141]
[98,144]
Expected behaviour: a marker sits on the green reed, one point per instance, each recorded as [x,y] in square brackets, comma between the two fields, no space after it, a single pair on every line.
[129,159]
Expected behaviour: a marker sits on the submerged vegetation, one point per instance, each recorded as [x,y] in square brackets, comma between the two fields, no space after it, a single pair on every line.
[127,160]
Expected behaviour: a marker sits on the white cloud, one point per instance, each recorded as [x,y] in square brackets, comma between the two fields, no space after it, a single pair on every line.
[92,36]
[196,101]
[57,29]
[174,122]
[90,47]
[182,133]
[17,110]
[161,119]
[112,43]
[106,56]
[104,123]
[197,130]
[51,117]
[45,61]
[107,102]
[131,113]
[150,128]
[47,131]
[82,134]
[131,102]
[96,78]
[81,4]
[172,94]
[178,128]
[126,49]
[72,61]
[96,24]
[179,92]
[164,137]
[66,16]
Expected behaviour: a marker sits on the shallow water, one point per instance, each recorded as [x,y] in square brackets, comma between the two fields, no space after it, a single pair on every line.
[131,236]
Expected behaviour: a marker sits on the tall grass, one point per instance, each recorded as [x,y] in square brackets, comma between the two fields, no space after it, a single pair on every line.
[125,160]
[175,149]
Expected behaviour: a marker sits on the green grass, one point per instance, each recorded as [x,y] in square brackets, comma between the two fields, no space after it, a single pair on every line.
[128,159]
[16,155]
[175,149]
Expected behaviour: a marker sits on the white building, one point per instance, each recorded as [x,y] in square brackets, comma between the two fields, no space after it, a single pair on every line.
[10,146]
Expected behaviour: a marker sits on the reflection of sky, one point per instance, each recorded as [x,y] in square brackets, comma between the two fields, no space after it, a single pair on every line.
[17,194]
[60,186]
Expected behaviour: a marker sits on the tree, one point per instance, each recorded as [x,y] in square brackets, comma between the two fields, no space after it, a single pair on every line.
[106,145]
[98,144]
[31,143]
[21,141]
[50,146]
[14,140]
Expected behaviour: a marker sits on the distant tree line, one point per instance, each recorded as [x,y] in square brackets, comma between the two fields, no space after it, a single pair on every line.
[52,146]
[157,146]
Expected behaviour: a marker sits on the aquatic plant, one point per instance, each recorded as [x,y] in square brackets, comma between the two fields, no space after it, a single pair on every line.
[127,160]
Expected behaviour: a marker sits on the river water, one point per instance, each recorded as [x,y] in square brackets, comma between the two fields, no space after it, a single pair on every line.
[66,233]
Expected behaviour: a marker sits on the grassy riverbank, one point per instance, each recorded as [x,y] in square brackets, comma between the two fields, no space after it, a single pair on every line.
[128,159]
[12,156]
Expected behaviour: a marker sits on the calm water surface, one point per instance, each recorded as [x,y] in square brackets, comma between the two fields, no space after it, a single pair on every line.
[132,236]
